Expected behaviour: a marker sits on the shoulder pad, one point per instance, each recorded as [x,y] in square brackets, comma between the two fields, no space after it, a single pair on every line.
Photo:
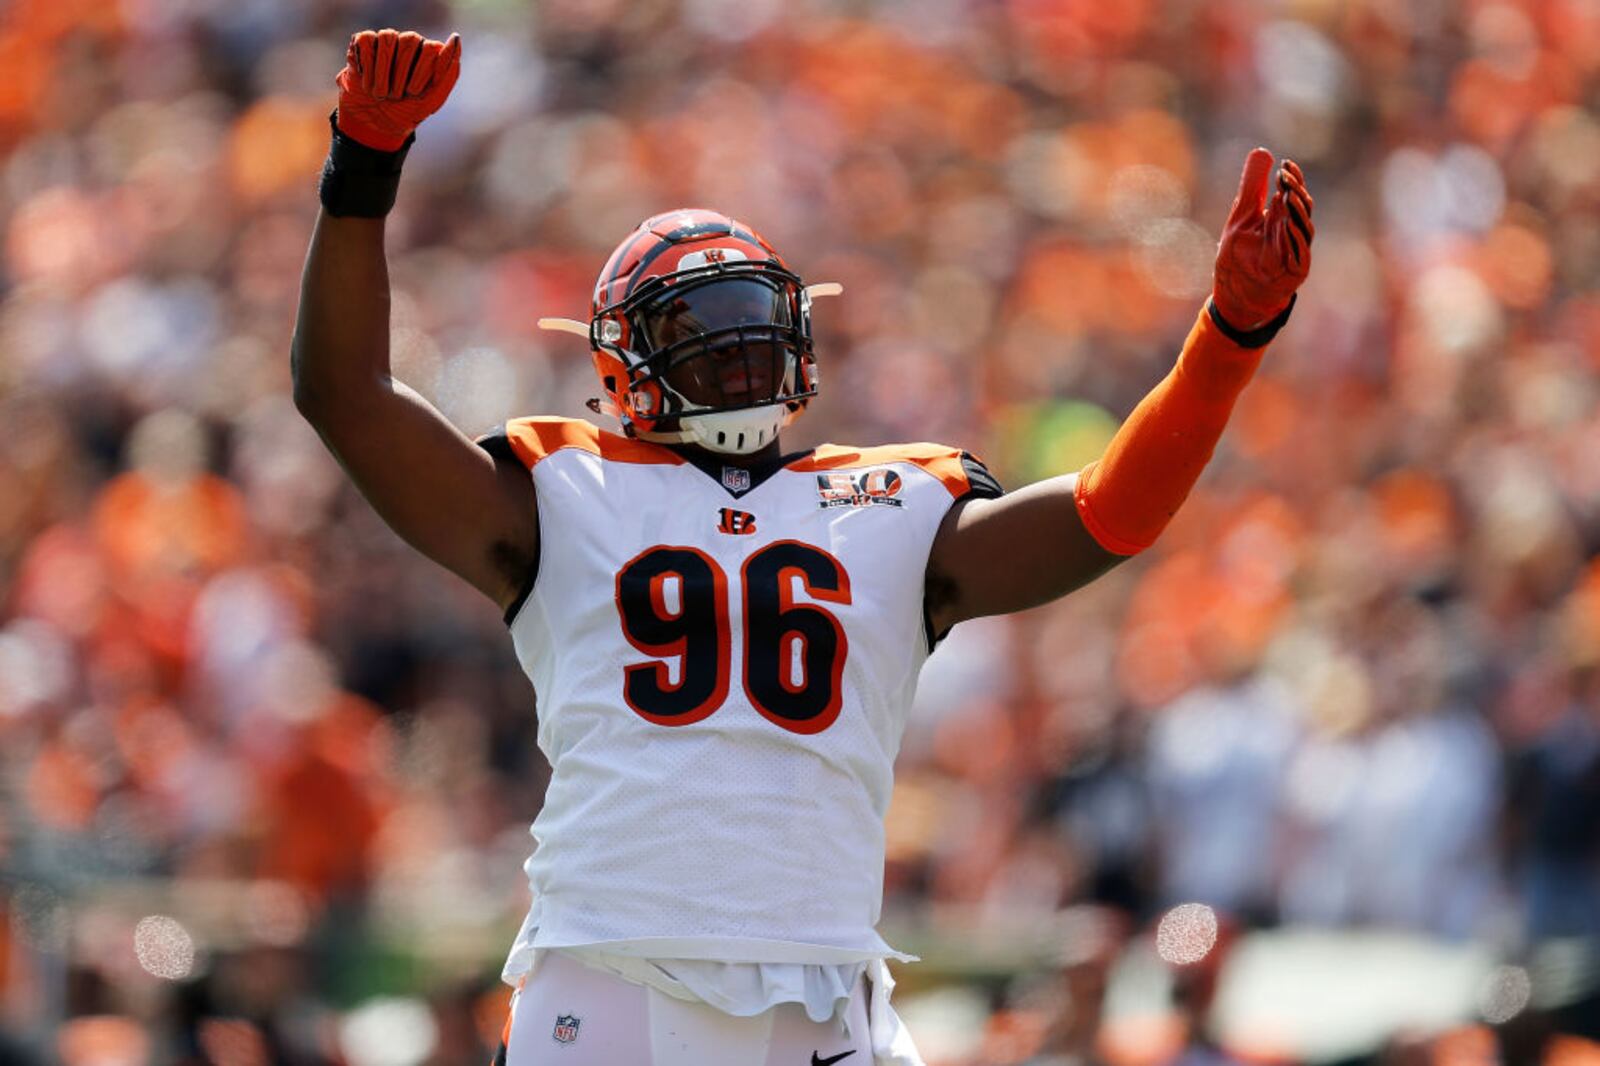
[962,473]
[533,439]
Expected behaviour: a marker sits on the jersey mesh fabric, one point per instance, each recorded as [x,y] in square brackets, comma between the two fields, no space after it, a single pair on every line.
[732,838]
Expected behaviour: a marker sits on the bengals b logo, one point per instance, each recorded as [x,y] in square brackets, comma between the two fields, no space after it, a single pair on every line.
[736,522]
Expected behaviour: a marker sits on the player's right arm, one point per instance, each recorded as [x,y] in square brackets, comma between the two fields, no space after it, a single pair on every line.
[446,496]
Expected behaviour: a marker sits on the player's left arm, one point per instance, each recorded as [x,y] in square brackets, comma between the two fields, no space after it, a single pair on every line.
[994,556]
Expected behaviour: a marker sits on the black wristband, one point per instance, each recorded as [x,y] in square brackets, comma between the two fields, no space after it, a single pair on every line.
[359,181]
[1255,338]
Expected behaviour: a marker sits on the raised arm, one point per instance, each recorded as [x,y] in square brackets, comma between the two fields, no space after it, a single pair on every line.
[1030,547]
[446,496]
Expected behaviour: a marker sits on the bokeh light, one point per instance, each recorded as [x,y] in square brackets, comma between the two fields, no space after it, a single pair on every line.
[1504,994]
[164,947]
[1186,934]
[389,1032]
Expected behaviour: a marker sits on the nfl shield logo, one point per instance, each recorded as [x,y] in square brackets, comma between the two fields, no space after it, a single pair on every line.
[735,479]
[566,1030]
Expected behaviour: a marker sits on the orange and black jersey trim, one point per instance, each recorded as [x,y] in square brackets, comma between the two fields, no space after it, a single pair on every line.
[528,441]
[961,473]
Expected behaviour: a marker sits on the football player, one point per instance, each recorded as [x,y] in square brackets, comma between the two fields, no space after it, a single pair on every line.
[724,637]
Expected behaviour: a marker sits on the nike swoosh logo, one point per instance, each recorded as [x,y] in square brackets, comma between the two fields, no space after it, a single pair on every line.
[815,1061]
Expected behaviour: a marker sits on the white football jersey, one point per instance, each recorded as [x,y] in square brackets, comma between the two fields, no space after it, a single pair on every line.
[724,660]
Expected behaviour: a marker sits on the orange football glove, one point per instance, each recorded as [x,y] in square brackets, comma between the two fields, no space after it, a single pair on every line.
[391,81]
[1265,251]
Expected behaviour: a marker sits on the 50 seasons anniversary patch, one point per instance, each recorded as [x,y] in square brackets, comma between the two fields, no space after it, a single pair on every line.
[879,486]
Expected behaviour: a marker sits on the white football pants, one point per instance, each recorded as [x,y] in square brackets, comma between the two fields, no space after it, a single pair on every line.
[567,1014]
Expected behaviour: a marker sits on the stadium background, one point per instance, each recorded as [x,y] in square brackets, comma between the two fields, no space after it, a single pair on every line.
[265,775]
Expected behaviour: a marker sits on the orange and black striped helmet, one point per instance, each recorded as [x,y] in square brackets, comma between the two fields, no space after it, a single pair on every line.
[695,319]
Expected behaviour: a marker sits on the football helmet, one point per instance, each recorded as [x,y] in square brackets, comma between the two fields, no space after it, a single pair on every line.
[701,334]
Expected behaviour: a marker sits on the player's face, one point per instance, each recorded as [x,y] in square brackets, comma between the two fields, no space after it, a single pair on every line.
[730,369]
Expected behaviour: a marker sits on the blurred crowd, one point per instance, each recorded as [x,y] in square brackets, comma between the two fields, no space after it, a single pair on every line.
[265,774]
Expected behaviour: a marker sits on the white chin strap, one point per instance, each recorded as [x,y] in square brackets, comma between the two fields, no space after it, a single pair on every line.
[728,432]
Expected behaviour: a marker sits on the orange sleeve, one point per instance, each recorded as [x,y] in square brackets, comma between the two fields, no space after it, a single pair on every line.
[1127,496]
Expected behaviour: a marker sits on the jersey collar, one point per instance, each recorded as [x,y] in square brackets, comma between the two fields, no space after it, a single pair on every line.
[739,480]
